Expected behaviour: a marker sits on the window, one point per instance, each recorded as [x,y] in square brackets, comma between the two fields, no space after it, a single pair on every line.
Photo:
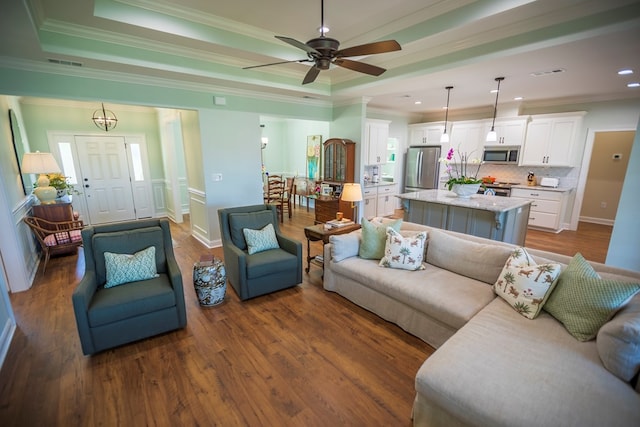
[136,161]
[68,168]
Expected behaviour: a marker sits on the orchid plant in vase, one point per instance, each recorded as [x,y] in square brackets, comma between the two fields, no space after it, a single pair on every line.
[459,169]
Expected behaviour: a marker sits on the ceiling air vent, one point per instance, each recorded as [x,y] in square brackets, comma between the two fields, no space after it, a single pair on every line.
[548,73]
[65,62]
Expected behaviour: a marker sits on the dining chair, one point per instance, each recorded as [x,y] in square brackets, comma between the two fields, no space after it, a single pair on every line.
[276,193]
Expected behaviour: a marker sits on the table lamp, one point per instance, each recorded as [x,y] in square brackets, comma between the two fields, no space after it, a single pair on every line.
[41,163]
[351,192]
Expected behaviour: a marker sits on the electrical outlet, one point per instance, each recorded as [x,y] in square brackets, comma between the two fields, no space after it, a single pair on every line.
[217,177]
[603,205]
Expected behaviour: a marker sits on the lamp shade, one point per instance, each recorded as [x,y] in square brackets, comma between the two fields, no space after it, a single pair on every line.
[39,163]
[351,192]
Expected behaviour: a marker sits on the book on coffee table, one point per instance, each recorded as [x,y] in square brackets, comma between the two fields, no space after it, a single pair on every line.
[340,223]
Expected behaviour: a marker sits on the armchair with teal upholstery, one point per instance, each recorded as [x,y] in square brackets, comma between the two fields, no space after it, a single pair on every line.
[112,316]
[263,272]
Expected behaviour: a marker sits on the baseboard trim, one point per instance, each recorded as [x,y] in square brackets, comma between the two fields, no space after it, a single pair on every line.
[593,220]
[5,339]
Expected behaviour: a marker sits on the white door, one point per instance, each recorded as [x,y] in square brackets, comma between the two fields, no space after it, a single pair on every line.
[106,180]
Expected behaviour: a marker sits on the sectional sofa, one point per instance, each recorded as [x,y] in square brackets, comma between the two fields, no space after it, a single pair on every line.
[493,365]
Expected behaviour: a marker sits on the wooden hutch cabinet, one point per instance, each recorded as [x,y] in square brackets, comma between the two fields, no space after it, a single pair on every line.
[339,167]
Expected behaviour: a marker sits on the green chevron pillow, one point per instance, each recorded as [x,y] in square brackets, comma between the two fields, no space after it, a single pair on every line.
[125,268]
[583,302]
[261,240]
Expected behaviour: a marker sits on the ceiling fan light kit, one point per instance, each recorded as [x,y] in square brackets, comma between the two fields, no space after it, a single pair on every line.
[492,136]
[323,51]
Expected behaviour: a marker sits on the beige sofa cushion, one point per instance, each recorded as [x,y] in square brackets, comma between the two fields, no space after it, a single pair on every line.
[479,261]
[618,341]
[502,369]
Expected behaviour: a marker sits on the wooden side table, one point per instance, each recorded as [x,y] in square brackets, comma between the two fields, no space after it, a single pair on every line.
[318,232]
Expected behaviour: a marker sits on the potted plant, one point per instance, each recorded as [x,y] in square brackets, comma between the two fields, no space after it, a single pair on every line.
[61,184]
[462,181]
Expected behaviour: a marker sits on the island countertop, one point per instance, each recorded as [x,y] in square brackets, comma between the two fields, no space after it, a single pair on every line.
[476,201]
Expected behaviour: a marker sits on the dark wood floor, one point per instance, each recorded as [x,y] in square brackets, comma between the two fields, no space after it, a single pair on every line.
[298,357]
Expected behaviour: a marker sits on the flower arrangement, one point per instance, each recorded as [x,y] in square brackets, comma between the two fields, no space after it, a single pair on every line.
[60,183]
[459,171]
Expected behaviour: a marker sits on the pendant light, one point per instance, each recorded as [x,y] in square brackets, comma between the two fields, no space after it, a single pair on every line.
[104,119]
[492,136]
[445,136]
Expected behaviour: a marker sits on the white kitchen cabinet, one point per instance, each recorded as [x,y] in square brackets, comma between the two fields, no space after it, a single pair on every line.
[547,206]
[550,140]
[375,143]
[369,201]
[379,200]
[508,131]
[467,138]
[427,133]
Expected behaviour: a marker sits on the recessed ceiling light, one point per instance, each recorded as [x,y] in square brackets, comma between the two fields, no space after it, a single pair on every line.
[418,102]
[634,84]
[518,98]
[625,72]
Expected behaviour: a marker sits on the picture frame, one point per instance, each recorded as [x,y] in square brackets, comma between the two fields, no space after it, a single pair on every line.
[325,190]
[18,147]
[314,156]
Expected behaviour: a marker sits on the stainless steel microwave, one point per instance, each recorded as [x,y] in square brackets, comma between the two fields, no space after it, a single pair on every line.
[501,155]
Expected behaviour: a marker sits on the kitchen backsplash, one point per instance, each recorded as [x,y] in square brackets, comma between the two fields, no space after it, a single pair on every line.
[507,173]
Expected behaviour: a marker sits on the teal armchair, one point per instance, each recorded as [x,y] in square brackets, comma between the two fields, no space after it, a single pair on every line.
[109,317]
[263,272]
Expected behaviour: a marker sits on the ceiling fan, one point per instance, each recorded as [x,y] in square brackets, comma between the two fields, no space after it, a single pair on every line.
[323,51]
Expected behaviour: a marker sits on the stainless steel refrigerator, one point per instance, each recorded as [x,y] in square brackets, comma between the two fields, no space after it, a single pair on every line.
[422,169]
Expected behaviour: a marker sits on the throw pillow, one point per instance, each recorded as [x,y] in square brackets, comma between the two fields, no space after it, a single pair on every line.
[524,284]
[261,240]
[401,252]
[344,245]
[125,268]
[618,342]
[583,302]
[373,238]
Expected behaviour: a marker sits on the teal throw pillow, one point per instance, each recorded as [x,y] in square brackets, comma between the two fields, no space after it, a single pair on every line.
[583,302]
[374,237]
[125,268]
[260,240]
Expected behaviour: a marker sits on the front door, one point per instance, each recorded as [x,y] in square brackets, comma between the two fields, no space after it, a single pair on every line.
[106,180]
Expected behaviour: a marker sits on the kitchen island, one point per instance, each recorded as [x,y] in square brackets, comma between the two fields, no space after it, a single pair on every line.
[492,217]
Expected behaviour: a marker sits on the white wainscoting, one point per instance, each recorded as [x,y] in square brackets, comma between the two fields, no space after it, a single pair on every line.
[199,218]
[159,200]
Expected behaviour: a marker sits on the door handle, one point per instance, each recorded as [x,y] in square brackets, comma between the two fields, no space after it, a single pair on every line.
[86,186]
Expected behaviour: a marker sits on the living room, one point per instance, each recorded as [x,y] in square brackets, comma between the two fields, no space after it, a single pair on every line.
[223,123]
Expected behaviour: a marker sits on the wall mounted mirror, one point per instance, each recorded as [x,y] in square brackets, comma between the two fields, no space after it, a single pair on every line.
[18,147]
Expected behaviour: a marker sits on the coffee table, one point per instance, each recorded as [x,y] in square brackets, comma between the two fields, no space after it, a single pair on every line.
[318,232]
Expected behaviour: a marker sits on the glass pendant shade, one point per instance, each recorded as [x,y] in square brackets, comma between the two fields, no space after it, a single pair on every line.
[104,119]
[445,136]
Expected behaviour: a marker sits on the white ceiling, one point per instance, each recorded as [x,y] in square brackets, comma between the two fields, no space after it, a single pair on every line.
[463,43]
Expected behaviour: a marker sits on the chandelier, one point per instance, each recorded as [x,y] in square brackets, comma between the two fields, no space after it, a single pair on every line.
[104,119]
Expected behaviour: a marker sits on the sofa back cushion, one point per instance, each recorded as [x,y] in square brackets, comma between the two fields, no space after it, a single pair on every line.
[252,220]
[127,242]
[480,261]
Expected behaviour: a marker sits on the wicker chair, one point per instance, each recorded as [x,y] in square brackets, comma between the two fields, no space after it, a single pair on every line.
[55,237]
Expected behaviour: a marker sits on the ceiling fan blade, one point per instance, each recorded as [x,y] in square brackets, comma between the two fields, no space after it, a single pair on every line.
[360,67]
[298,44]
[277,63]
[311,75]
[369,49]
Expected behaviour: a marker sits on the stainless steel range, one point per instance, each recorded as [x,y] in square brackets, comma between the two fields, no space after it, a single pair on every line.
[501,189]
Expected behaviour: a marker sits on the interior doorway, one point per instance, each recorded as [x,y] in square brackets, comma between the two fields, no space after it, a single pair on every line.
[111,174]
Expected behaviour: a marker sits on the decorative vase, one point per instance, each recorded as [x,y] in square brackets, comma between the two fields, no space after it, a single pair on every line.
[210,281]
[61,193]
[464,191]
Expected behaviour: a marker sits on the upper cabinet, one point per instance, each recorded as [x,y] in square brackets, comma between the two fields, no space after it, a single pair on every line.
[550,140]
[427,134]
[468,138]
[375,141]
[509,131]
[339,160]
